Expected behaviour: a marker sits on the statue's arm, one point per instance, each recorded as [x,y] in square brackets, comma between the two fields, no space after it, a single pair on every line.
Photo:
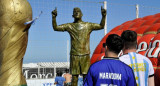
[103,12]
[54,22]
[102,23]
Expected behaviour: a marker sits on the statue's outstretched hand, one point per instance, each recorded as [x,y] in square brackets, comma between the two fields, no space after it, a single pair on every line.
[103,11]
[54,12]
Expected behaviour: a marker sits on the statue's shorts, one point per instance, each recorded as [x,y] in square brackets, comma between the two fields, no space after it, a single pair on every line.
[79,64]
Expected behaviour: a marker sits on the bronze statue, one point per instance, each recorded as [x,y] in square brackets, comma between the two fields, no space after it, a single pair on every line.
[80,35]
[13,40]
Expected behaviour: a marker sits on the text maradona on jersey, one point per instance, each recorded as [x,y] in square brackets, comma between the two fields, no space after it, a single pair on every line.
[105,75]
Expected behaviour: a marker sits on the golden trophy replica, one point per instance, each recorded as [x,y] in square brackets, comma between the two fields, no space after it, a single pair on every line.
[13,40]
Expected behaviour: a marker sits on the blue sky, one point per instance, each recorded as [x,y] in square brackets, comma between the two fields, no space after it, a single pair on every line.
[47,45]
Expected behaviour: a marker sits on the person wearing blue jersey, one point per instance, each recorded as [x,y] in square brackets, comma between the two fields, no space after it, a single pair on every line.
[59,80]
[141,65]
[110,71]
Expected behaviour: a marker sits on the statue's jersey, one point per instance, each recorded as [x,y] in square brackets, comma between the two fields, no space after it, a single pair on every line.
[80,36]
[141,65]
[110,72]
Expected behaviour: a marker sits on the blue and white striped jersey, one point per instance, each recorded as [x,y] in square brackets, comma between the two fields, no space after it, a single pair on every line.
[110,72]
[141,66]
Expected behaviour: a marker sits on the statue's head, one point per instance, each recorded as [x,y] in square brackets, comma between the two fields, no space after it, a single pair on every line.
[77,13]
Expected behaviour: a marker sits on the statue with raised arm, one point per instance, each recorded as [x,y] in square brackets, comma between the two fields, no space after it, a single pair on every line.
[80,35]
[13,40]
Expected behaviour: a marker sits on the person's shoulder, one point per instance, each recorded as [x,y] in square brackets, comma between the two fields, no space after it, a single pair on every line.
[103,62]
[55,78]
[125,66]
[67,74]
[125,56]
[58,77]
[140,55]
[61,78]
[64,75]
[144,57]
[96,63]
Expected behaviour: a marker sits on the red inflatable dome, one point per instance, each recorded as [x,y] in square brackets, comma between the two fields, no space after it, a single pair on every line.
[148,31]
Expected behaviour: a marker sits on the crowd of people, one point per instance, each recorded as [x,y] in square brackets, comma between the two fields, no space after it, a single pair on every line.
[130,69]
[65,79]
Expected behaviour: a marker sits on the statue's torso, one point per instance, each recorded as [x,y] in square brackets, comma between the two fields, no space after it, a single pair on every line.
[80,38]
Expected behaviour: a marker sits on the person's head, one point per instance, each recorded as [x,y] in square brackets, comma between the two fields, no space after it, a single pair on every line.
[114,44]
[77,13]
[67,70]
[59,73]
[130,39]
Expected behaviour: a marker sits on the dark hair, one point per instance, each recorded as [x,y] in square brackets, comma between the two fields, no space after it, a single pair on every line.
[130,39]
[114,43]
[59,73]
[67,70]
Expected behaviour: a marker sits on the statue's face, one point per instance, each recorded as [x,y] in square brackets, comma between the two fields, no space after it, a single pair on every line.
[77,13]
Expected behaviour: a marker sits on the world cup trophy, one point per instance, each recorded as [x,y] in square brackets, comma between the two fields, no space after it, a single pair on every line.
[13,40]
